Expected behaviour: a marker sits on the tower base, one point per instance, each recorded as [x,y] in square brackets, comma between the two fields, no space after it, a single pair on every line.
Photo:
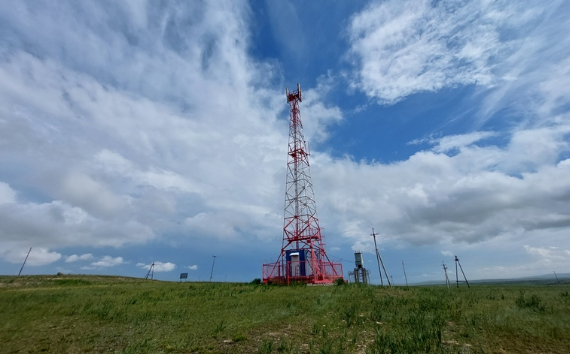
[287,272]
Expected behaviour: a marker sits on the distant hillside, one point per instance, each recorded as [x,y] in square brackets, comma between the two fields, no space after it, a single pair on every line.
[535,279]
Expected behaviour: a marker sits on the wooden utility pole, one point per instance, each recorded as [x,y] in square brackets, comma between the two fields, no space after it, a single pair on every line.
[150,272]
[212,271]
[379,259]
[446,277]
[457,275]
[405,276]
[20,272]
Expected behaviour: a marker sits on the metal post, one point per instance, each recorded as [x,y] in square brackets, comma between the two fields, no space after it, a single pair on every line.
[150,272]
[460,267]
[446,277]
[405,276]
[377,258]
[20,272]
[456,273]
[380,262]
[212,271]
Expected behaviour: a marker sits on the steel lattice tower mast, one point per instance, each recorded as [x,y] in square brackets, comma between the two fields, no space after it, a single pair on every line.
[303,257]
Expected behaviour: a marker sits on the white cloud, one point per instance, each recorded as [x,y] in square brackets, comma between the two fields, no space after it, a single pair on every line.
[193,267]
[38,256]
[463,189]
[406,47]
[548,253]
[447,253]
[122,151]
[92,196]
[7,194]
[57,223]
[514,55]
[164,267]
[320,115]
[108,261]
[75,258]
[451,142]
[401,48]
[436,198]
[159,266]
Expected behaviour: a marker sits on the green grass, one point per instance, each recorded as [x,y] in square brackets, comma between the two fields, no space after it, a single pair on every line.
[92,314]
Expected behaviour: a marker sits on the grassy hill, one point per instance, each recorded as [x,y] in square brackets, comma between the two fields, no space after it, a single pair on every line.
[93,314]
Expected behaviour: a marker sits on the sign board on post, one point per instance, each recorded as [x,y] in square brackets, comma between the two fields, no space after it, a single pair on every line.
[183,276]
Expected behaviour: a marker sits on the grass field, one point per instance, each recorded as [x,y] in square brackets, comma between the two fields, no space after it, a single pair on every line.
[91,314]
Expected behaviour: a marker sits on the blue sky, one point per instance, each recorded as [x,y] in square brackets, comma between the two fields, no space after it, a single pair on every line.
[136,132]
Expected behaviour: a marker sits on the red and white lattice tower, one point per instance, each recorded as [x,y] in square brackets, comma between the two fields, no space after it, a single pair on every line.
[303,257]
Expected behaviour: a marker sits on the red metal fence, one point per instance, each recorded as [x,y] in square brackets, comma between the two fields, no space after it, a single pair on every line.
[301,272]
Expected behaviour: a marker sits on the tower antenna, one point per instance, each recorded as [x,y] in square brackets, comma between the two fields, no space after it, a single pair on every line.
[379,259]
[303,258]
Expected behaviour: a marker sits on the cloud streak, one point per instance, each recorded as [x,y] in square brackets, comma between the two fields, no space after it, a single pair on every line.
[512,53]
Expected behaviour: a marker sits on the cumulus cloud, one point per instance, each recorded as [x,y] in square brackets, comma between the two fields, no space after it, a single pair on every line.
[320,115]
[433,197]
[550,254]
[447,253]
[59,224]
[76,258]
[464,188]
[38,256]
[7,194]
[108,261]
[193,267]
[159,266]
[134,143]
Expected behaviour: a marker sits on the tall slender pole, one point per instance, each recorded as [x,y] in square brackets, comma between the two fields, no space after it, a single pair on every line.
[405,276]
[380,262]
[556,276]
[150,272]
[456,274]
[446,277]
[212,271]
[460,267]
[20,272]
[377,258]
